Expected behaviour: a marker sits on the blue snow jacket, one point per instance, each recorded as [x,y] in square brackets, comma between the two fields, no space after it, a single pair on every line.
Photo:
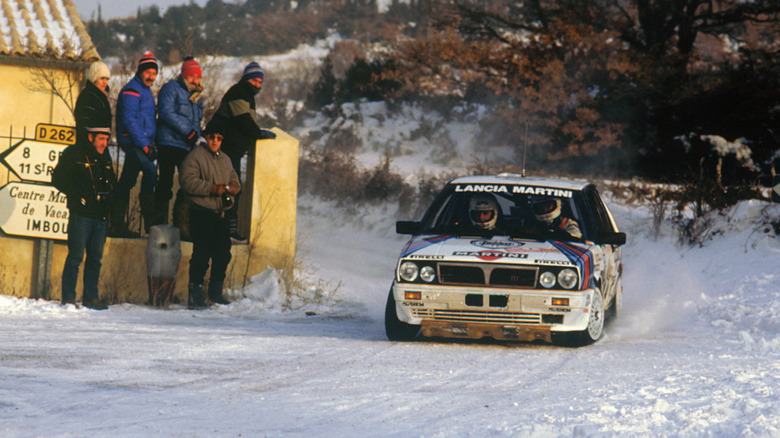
[136,115]
[177,115]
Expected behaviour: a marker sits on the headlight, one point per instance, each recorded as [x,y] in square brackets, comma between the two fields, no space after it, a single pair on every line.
[567,278]
[409,271]
[428,274]
[547,279]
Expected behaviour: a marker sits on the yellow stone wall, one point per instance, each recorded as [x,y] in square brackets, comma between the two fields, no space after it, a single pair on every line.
[22,106]
[272,178]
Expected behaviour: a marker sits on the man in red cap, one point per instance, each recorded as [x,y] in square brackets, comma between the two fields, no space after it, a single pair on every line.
[180,110]
[136,121]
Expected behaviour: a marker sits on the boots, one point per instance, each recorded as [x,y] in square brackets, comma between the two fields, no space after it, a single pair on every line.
[234,236]
[195,298]
[147,209]
[215,293]
[117,226]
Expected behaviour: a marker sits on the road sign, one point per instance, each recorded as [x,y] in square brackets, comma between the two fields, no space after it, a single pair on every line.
[33,210]
[55,133]
[776,188]
[33,160]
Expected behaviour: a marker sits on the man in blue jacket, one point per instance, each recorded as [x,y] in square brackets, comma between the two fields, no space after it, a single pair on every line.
[180,110]
[136,120]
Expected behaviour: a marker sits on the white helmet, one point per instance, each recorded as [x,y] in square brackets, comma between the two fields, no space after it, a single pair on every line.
[547,210]
[483,211]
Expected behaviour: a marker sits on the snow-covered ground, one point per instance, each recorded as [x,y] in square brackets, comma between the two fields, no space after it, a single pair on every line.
[695,352]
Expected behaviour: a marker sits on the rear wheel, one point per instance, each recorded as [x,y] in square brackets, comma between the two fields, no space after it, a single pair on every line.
[396,329]
[592,332]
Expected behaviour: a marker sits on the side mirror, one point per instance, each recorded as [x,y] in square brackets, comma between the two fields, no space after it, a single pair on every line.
[612,238]
[406,227]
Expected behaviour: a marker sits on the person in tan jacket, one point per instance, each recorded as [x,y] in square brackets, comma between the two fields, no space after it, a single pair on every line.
[210,182]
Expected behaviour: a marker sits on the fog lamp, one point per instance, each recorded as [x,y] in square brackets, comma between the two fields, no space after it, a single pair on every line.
[560,301]
[412,295]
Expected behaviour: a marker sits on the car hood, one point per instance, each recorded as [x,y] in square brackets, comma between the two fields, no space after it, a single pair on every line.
[497,249]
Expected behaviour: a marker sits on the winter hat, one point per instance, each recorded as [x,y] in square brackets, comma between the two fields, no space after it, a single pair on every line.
[190,67]
[98,70]
[146,62]
[215,126]
[252,71]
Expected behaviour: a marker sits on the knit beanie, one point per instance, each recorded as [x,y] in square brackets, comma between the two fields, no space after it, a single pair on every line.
[146,62]
[97,70]
[252,71]
[190,67]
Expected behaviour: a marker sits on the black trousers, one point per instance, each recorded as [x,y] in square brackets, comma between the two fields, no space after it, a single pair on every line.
[210,232]
[169,159]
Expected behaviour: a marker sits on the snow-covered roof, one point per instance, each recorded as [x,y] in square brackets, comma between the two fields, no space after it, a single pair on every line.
[47,29]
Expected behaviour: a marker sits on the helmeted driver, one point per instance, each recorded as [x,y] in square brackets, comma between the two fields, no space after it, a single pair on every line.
[483,211]
[548,212]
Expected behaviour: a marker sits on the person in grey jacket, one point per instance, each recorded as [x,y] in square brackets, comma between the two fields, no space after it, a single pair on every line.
[180,110]
[210,182]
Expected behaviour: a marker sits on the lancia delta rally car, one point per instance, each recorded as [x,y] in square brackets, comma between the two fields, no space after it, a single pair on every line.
[512,258]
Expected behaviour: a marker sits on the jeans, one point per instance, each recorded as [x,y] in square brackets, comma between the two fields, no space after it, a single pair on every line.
[210,241]
[136,161]
[83,234]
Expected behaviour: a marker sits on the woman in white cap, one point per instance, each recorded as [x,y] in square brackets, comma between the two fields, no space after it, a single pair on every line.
[92,106]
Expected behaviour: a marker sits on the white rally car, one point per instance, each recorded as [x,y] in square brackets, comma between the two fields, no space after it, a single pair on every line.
[512,258]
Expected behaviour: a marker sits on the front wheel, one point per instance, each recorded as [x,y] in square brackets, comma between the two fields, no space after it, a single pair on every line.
[396,329]
[592,332]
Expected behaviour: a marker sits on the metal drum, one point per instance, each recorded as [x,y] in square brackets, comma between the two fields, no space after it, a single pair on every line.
[163,254]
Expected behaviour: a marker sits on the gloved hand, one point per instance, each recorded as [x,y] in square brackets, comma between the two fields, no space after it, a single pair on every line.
[218,189]
[233,188]
[191,138]
[151,152]
[266,135]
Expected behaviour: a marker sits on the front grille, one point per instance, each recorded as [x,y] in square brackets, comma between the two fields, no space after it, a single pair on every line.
[513,277]
[459,274]
[478,316]
[487,275]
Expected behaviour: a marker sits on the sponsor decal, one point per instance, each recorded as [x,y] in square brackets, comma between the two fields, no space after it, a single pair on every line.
[580,257]
[559,309]
[505,188]
[425,257]
[552,262]
[496,244]
[490,255]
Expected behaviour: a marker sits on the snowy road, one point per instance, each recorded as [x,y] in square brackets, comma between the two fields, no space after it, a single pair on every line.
[695,353]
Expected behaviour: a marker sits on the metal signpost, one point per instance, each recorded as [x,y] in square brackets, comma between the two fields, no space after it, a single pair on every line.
[32,207]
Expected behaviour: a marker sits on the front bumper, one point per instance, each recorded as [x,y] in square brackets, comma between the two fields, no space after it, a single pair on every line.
[505,314]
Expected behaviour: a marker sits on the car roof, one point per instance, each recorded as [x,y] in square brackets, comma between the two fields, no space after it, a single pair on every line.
[513,178]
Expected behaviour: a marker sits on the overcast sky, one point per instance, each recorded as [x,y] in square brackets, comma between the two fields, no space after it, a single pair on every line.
[123,8]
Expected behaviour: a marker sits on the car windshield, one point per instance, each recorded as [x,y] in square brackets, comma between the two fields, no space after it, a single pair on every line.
[536,213]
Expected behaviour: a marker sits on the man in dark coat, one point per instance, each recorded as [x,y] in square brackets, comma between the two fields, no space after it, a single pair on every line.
[85,174]
[210,182]
[237,109]
[92,106]
[136,122]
